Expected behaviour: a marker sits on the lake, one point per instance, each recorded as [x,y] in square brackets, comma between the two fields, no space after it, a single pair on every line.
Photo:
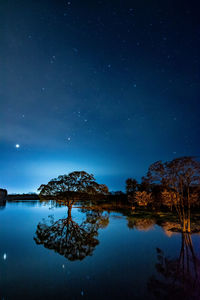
[47,252]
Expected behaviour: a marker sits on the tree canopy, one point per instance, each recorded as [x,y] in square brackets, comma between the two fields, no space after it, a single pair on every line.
[173,183]
[77,181]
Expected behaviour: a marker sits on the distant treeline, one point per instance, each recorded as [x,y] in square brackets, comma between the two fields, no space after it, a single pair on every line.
[13,197]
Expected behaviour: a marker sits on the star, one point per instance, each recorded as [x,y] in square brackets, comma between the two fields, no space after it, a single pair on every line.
[17,146]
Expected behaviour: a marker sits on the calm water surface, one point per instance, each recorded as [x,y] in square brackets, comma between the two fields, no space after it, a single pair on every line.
[48,253]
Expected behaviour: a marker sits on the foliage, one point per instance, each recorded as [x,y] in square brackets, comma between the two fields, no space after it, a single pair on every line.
[143,224]
[172,184]
[178,179]
[78,181]
[169,198]
[131,186]
[143,198]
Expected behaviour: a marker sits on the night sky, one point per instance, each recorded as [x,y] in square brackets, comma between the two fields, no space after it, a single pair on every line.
[108,87]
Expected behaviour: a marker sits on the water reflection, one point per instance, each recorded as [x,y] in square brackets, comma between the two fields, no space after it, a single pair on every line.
[177,278]
[2,205]
[70,239]
[140,223]
[171,274]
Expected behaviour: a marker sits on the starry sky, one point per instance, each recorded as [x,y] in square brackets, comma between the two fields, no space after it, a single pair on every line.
[108,87]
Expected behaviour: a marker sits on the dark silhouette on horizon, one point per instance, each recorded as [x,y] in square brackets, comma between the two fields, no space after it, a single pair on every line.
[3,196]
[77,181]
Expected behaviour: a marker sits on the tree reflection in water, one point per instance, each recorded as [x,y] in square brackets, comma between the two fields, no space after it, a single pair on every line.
[178,278]
[143,224]
[70,239]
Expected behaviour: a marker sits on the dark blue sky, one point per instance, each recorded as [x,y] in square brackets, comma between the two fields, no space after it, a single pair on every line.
[103,86]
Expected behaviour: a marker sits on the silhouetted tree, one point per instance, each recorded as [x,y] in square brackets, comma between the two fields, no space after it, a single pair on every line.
[96,188]
[3,195]
[78,181]
[131,188]
[144,186]
[118,193]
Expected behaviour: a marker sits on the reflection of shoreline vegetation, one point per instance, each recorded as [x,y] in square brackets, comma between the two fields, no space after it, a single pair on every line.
[144,220]
[177,278]
[164,218]
[70,239]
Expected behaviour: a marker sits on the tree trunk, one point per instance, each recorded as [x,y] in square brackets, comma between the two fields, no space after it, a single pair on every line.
[189,227]
[184,225]
[69,212]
